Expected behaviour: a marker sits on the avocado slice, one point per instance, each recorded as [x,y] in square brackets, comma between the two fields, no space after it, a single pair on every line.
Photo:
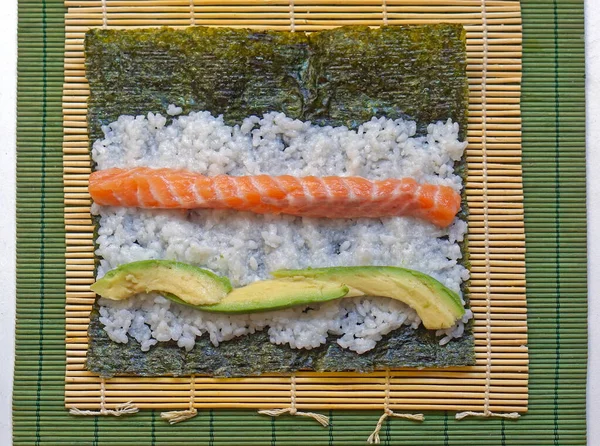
[195,286]
[267,295]
[437,306]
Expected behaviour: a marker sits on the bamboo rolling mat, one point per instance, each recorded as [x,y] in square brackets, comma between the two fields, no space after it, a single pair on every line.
[498,381]
[554,181]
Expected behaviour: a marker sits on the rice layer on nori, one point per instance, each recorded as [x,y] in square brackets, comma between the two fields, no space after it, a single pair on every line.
[339,77]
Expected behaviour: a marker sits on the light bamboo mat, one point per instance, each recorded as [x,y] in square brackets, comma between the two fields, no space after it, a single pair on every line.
[498,383]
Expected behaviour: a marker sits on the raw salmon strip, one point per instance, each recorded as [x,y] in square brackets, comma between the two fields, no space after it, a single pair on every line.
[329,197]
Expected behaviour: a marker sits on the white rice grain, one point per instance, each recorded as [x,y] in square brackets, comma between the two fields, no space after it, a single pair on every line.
[247,247]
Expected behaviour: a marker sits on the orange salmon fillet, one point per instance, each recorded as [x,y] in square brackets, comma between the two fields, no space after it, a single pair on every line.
[327,197]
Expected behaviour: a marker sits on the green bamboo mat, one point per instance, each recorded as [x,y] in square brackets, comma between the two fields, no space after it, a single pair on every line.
[554,181]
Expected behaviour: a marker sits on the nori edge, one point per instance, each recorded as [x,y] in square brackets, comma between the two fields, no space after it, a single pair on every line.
[336,77]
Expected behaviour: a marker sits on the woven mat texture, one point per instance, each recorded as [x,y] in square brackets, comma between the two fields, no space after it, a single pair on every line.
[554,180]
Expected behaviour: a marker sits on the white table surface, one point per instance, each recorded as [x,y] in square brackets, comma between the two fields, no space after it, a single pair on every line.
[8,90]
[8,38]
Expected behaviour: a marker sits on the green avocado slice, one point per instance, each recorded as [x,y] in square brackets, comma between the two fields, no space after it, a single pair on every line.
[195,286]
[437,306]
[267,295]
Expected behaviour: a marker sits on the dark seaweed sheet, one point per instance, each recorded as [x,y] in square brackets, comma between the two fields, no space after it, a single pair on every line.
[227,71]
[336,77]
[254,354]
[415,73]
[342,76]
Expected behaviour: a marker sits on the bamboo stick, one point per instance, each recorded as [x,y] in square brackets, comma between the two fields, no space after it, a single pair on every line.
[496,228]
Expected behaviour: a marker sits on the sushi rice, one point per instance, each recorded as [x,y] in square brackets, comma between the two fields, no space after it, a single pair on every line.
[246,247]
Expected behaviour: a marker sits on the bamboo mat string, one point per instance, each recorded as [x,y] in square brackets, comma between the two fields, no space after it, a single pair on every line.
[387,412]
[192,13]
[122,409]
[104,15]
[488,313]
[177,416]
[76,164]
[292,18]
[322,419]
[385,12]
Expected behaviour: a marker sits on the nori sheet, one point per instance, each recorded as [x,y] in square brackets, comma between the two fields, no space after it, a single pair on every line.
[226,71]
[254,354]
[342,76]
[416,73]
